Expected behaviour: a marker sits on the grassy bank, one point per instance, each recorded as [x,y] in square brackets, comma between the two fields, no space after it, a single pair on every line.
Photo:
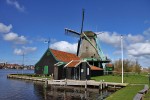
[147,96]
[136,83]
[126,93]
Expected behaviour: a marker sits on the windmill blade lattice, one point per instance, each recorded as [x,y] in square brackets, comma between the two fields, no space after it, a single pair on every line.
[72,33]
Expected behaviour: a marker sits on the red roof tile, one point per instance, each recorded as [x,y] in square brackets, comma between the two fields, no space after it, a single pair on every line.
[64,56]
[73,64]
[95,68]
[109,65]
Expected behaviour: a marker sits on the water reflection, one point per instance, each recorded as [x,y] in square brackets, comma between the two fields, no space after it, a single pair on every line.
[17,89]
[70,93]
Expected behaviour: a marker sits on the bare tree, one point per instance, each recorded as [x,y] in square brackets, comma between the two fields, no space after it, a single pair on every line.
[129,66]
[148,69]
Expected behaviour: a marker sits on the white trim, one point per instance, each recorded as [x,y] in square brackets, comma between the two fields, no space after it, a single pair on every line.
[78,63]
[56,64]
[68,63]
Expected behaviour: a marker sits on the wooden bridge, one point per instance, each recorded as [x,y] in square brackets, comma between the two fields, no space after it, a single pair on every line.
[66,82]
[86,83]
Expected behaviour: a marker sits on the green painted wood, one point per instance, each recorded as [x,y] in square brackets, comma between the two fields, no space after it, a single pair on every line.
[45,70]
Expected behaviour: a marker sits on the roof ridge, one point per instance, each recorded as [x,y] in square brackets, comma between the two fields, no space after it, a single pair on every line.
[62,51]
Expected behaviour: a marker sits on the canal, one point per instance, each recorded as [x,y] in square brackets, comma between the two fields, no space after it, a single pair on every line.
[14,89]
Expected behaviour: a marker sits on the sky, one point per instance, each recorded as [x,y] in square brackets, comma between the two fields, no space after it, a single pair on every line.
[26,24]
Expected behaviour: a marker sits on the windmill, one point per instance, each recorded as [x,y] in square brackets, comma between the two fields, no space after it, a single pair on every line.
[88,46]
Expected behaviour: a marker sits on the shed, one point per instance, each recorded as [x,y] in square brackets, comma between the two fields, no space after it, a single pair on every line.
[109,68]
[53,58]
[78,69]
[96,71]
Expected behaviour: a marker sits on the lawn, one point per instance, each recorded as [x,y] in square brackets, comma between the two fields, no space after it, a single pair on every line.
[126,93]
[132,79]
[136,83]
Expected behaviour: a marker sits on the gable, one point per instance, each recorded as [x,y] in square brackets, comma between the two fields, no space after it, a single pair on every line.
[46,54]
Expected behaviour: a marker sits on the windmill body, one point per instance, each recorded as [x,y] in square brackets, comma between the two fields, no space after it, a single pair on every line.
[86,50]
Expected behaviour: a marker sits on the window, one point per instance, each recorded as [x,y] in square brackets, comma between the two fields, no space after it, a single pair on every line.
[88,70]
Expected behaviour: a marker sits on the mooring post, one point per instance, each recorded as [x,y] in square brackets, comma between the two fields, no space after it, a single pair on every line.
[86,84]
[106,85]
[46,82]
[115,87]
[99,86]
[103,84]
[65,82]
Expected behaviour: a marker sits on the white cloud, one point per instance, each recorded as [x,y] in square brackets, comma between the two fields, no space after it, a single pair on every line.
[5,28]
[109,38]
[117,52]
[41,39]
[18,51]
[64,46]
[13,37]
[139,49]
[134,38]
[16,5]
[25,50]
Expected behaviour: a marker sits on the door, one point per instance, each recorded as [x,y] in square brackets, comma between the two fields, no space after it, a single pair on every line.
[45,70]
[55,72]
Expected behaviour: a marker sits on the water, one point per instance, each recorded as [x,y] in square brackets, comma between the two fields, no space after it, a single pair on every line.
[15,89]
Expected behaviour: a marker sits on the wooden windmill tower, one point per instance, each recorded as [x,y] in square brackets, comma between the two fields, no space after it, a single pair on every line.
[88,47]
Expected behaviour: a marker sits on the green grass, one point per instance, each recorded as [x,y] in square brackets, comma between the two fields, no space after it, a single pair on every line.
[131,79]
[127,93]
[147,96]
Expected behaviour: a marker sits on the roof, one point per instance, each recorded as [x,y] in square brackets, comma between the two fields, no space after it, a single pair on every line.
[95,68]
[109,65]
[73,63]
[64,56]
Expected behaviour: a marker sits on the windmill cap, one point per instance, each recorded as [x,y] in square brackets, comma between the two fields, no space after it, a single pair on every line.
[88,34]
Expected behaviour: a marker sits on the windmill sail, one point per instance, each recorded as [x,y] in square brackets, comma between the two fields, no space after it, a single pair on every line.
[71,32]
[79,42]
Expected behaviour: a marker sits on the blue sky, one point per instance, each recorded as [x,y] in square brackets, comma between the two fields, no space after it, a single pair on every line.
[26,24]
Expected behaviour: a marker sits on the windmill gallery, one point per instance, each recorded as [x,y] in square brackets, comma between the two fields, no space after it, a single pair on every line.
[86,63]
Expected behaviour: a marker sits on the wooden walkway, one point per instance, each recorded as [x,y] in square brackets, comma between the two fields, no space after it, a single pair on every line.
[66,82]
[26,77]
[85,83]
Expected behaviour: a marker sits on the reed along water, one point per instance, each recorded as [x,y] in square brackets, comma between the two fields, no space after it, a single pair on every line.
[17,89]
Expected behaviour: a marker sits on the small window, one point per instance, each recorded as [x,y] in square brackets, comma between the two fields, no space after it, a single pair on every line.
[82,70]
[88,70]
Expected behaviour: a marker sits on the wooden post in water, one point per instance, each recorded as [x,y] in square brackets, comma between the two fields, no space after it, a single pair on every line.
[65,82]
[100,86]
[103,84]
[46,82]
[86,84]
[106,85]
[115,87]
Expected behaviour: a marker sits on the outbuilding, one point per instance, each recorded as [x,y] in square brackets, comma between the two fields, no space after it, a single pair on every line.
[60,65]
